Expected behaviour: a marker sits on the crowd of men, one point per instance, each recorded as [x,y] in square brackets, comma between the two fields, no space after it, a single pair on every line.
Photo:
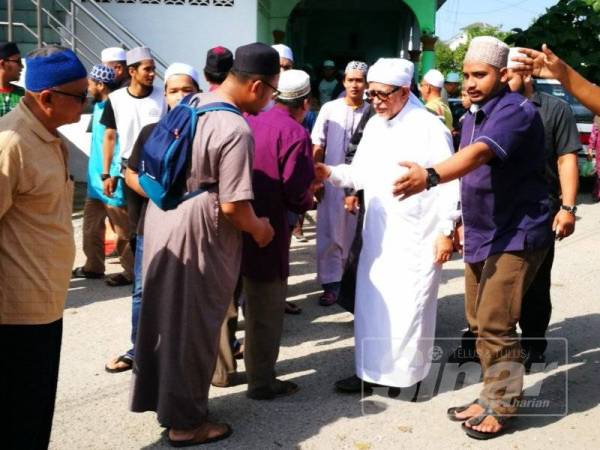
[379,165]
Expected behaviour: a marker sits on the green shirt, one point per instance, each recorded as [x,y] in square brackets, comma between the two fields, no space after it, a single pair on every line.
[10,99]
[441,109]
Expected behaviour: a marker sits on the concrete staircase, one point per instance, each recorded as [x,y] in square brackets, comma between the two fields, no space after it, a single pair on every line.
[25,12]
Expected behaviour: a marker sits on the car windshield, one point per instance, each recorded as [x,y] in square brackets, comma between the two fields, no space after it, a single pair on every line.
[582,114]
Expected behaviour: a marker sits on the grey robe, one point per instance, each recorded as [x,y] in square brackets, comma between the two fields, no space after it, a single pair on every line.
[191,263]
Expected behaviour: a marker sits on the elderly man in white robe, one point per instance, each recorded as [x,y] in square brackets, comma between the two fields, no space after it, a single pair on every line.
[335,125]
[404,243]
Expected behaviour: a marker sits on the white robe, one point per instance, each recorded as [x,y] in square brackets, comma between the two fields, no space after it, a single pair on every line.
[397,280]
[336,228]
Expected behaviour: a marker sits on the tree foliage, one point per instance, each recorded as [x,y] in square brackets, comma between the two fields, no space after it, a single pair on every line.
[448,60]
[571,29]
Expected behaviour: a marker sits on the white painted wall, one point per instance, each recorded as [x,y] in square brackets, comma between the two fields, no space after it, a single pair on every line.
[184,33]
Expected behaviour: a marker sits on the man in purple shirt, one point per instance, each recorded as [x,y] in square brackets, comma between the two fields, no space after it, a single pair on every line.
[506,223]
[282,176]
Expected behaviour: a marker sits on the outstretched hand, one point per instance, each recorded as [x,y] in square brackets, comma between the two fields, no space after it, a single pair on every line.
[412,182]
[322,171]
[542,64]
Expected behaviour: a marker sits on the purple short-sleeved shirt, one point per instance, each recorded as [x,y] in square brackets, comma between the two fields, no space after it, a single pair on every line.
[505,202]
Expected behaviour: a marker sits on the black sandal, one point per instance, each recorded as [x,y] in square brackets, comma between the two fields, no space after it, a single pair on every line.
[451,412]
[80,272]
[118,280]
[481,435]
[192,442]
[291,308]
[121,359]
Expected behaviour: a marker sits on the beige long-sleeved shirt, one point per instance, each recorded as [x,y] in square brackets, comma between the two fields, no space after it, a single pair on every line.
[36,234]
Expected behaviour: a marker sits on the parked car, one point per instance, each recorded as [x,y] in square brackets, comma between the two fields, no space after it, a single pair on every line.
[583,116]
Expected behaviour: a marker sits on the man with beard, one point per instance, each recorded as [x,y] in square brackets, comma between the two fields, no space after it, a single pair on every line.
[504,196]
[331,135]
[126,112]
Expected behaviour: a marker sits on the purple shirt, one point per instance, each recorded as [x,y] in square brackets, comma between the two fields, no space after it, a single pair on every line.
[505,202]
[282,173]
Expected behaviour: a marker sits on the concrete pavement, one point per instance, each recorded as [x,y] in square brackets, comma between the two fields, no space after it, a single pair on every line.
[317,349]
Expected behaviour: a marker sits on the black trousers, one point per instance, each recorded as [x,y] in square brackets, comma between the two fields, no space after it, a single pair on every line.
[536,308]
[30,356]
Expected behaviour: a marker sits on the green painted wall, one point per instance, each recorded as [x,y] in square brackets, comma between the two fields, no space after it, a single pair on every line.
[274,14]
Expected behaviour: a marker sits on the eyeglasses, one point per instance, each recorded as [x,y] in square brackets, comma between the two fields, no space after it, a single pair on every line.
[16,61]
[381,95]
[285,67]
[81,97]
[275,93]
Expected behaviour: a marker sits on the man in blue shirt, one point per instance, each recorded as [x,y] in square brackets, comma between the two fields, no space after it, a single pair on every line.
[97,205]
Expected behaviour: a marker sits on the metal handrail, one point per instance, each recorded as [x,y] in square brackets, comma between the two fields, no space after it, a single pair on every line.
[84,25]
[109,25]
[61,28]
[22,25]
[116,23]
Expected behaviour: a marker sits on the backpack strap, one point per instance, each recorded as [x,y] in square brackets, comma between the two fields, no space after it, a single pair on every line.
[217,106]
[201,110]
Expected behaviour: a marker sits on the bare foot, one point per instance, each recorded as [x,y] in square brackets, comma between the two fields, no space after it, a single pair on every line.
[208,431]
[472,411]
[489,425]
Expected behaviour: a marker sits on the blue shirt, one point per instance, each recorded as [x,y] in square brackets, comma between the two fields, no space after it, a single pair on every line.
[505,202]
[95,165]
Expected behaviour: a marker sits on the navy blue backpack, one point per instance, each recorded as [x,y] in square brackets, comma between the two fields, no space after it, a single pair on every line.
[166,154]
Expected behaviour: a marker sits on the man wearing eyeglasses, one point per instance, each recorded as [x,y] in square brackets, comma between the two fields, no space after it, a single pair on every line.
[36,242]
[331,135]
[10,71]
[404,243]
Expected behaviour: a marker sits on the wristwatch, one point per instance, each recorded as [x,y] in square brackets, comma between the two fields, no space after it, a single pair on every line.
[104,176]
[569,209]
[433,178]
[448,232]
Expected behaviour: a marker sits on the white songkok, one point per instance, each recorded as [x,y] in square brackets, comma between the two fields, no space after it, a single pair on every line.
[357,65]
[434,78]
[392,71]
[284,51]
[514,52]
[489,50]
[112,54]
[293,84]
[138,54]
[182,69]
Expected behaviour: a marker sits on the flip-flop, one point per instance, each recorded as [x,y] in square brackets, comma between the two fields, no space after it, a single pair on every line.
[481,435]
[80,272]
[121,359]
[290,308]
[118,280]
[191,442]
[451,412]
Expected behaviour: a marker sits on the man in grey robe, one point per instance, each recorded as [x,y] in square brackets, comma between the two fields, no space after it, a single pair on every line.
[192,258]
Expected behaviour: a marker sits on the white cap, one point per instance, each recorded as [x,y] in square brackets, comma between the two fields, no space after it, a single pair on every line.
[293,84]
[137,54]
[392,71]
[435,78]
[111,54]
[182,69]
[329,64]
[489,50]
[284,51]
[452,77]
[514,52]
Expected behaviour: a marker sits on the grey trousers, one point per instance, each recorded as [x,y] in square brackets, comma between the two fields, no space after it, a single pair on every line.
[265,307]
